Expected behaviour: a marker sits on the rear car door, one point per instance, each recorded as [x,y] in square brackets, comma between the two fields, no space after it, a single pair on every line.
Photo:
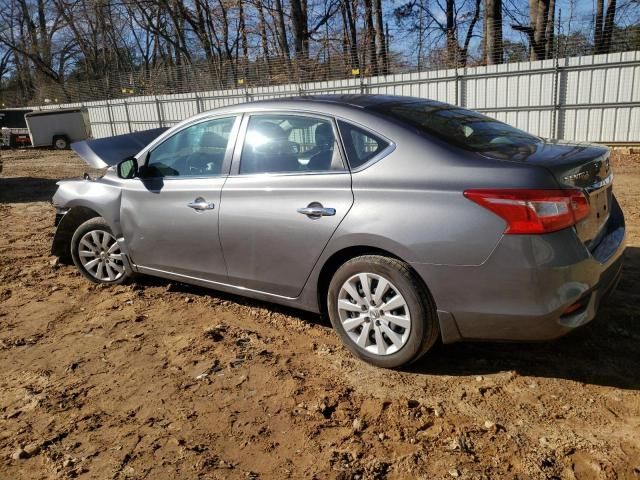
[170,216]
[288,191]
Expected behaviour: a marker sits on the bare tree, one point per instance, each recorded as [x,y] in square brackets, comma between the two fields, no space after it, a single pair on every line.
[460,21]
[299,21]
[162,46]
[351,32]
[282,31]
[540,29]
[492,31]
[381,37]
[604,23]
[370,35]
[463,56]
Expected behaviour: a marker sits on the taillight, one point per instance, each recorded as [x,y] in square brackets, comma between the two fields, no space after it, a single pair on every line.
[533,211]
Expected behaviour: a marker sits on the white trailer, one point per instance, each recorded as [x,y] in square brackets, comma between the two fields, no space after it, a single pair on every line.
[58,128]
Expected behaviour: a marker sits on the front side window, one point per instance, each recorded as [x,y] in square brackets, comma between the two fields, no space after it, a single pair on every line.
[289,144]
[361,145]
[196,151]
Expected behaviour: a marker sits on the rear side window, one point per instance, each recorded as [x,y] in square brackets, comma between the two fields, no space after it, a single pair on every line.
[289,144]
[361,145]
[464,128]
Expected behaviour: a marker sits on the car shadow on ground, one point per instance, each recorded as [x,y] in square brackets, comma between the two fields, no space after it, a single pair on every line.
[26,189]
[187,289]
[605,352]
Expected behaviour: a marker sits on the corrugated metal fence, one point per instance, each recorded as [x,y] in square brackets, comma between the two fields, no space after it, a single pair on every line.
[593,98]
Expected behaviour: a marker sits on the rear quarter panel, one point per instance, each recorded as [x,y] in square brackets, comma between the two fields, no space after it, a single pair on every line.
[411,202]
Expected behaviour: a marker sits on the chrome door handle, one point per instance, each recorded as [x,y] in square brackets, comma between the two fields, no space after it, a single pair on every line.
[317,211]
[200,204]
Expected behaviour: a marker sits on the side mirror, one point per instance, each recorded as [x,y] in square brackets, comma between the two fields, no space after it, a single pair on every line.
[128,168]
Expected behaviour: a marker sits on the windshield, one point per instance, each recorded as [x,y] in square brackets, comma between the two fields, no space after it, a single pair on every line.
[464,128]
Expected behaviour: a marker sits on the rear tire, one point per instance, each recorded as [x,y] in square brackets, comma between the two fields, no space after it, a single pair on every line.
[389,338]
[97,254]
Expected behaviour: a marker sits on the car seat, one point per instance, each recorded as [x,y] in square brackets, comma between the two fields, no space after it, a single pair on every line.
[325,141]
[274,155]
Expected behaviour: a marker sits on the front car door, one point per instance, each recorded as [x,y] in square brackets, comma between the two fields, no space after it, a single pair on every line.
[288,191]
[170,216]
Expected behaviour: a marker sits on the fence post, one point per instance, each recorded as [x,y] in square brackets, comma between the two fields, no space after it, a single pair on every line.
[110,118]
[126,112]
[197,98]
[556,75]
[363,85]
[457,85]
[461,88]
[159,111]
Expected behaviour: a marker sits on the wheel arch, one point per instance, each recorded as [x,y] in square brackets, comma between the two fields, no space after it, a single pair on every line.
[339,257]
[76,216]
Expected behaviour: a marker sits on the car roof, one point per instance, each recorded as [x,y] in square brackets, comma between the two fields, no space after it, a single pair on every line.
[353,100]
[351,106]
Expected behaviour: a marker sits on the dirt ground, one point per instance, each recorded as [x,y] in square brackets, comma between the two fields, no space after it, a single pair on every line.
[161,380]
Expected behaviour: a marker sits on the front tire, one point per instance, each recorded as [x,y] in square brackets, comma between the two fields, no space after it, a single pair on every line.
[97,254]
[381,311]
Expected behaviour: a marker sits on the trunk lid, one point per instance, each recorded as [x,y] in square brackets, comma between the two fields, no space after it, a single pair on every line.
[576,165]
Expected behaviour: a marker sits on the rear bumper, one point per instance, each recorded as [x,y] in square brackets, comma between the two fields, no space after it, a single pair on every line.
[522,291]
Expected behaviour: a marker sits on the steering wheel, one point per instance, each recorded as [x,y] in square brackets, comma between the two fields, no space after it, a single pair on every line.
[200,163]
[196,163]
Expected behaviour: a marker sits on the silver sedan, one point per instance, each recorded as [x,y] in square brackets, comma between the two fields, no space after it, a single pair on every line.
[405,220]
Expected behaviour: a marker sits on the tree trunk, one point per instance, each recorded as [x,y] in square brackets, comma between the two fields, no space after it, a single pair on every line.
[608,25]
[264,39]
[300,28]
[201,32]
[282,31]
[345,33]
[598,40]
[493,31]
[540,29]
[370,32]
[550,30]
[242,30]
[382,41]
[604,23]
[353,34]
[464,51]
[420,34]
[450,32]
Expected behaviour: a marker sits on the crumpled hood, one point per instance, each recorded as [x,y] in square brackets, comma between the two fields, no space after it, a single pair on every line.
[104,152]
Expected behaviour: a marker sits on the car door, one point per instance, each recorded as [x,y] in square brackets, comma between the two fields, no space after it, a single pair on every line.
[288,192]
[170,216]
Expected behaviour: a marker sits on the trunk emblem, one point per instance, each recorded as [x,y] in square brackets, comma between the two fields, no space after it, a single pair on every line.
[576,176]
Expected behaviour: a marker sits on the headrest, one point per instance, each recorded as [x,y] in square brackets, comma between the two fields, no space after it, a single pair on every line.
[212,140]
[324,134]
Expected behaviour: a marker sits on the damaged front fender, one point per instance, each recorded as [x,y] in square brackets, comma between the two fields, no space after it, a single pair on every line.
[77,201]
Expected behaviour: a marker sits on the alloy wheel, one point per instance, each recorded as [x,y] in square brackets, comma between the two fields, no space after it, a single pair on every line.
[100,255]
[374,313]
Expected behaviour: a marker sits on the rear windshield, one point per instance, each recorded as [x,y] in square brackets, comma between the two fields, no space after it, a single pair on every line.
[464,128]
